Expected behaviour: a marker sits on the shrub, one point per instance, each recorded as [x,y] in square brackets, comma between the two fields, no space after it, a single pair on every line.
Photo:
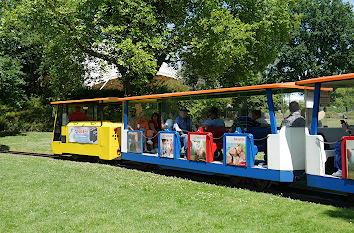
[34,115]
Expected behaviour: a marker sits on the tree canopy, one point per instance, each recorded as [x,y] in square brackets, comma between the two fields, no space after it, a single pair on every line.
[322,45]
[11,81]
[222,42]
[217,43]
[133,35]
[230,42]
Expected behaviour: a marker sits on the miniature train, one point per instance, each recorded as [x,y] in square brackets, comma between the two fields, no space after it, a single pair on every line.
[290,151]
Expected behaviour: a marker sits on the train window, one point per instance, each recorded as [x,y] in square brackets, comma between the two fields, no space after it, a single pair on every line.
[78,112]
[140,110]
[336,106]
[111,112]
[65,118]
[58,123]
[282,109]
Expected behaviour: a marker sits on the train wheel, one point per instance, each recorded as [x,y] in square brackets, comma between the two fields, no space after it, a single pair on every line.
[261,185]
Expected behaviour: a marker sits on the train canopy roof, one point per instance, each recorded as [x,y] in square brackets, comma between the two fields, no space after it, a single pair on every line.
[335,81]
[95,100]
[203,94]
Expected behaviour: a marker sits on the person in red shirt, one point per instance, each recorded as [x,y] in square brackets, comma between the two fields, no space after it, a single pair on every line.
[155,125]
[78,115]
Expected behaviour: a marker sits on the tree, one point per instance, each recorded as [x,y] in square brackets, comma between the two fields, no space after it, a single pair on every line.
[230,42]
[11,80]
[48,69]
[133,35]
[322,45]
[220,42]
[342,99]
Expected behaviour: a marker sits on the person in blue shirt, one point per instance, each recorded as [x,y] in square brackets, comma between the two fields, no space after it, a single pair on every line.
[338,150]
[213,119]
[243,120]
[183,124]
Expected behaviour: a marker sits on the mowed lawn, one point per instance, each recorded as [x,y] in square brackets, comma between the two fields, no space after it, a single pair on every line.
[39,142]
[46,195]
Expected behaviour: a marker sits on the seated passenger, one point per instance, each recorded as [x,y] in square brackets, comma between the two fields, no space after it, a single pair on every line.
[244,121]
[78,115]
[218,132]
[168,125]
[131,120]
[257,116]
[213,119]
[155,126]
[183,125]
[143,125]
[294,119]
[338,150]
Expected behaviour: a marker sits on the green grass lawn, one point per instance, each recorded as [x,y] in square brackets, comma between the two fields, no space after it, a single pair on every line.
[46,195]
[39,142]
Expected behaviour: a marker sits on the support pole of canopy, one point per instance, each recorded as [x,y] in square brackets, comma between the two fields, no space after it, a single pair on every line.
[316,105]
[125,114]
[273,123]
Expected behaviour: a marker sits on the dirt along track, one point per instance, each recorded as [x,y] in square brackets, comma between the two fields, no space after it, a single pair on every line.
[297,191]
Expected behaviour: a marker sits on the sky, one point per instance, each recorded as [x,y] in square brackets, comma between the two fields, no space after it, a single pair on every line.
[351,1]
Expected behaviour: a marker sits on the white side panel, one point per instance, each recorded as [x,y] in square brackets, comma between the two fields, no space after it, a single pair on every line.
[315,155]
[286,150]
[278,152]
[124,140]
[296,141]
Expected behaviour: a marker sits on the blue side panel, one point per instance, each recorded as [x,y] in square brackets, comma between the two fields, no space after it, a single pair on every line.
[134,142]
[251,150]
[273,123]
[331,183]
[316,105]
[176,143]
[216,168]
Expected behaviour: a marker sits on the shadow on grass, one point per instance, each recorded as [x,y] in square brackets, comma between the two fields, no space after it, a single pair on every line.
[6,133]
[342,213]
[4,148]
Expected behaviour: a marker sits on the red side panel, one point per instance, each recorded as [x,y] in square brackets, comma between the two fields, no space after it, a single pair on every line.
[197,153]
[344,155]
[344,158]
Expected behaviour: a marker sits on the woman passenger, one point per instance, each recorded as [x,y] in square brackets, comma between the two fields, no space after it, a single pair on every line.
[143,125]
[155,126]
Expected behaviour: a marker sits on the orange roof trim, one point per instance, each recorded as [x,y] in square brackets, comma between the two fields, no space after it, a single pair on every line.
[289,85]
[326,79]
[107,99]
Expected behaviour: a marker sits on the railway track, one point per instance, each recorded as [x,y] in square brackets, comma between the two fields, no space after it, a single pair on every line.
[298,193]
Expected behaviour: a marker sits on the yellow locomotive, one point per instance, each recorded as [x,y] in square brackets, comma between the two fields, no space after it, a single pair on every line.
[88,127]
